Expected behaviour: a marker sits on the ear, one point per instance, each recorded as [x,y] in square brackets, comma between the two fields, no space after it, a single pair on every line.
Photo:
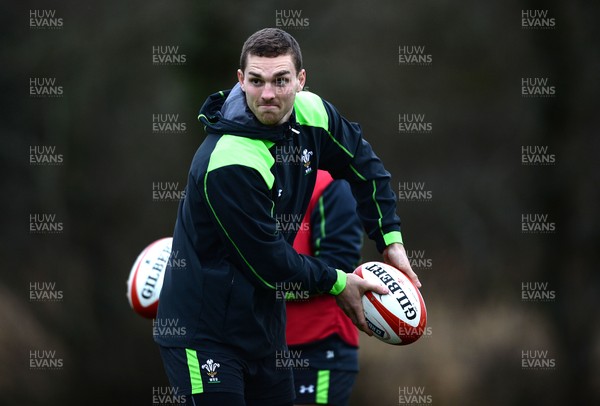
[301,80]
[240,76]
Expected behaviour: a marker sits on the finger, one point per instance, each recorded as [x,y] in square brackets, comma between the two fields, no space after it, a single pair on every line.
[358,319]
[413,277]
[377,288]
[362,325]
[407,270]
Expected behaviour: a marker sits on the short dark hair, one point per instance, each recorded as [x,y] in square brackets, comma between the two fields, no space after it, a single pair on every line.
[271,42]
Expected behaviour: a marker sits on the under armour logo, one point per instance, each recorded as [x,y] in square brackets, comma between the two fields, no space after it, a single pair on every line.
[305,389]
[279,192]
[330,354]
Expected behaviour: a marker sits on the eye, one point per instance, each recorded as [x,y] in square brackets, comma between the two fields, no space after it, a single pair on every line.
[256,81]
[281,82]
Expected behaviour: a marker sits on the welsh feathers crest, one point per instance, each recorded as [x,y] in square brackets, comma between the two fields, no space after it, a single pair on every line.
[306,154]
[211,369]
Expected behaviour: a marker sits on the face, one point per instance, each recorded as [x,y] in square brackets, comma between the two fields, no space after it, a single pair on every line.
[271,85]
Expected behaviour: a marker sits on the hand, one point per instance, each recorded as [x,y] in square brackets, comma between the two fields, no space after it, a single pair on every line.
[395,255]
[350,299]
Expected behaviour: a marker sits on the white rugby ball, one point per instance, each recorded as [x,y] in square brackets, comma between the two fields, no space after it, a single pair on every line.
[398,318]
[146,277]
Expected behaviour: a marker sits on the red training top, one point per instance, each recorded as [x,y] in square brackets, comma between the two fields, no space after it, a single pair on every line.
[320,316]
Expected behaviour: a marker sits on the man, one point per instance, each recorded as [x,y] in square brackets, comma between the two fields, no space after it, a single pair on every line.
[322,341]
[227,230]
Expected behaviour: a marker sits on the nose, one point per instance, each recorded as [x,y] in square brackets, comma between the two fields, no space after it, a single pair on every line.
[268,92]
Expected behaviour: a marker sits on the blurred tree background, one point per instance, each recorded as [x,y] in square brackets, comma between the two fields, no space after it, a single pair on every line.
[469,231]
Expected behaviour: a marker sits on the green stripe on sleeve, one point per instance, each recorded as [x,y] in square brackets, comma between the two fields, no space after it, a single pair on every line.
[336,142]
[357,173]
[321,227]
[340,283]
[322,387]
[379,220]
[393,237]
[322,212]
[194,368]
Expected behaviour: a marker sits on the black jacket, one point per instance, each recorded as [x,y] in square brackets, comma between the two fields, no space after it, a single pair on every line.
[247,191]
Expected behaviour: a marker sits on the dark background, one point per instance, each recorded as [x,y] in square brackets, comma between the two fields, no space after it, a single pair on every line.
[470,229]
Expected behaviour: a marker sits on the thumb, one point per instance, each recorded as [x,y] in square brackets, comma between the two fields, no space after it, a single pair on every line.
[375,287]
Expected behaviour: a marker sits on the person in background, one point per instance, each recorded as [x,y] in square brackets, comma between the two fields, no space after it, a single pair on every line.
[317,330]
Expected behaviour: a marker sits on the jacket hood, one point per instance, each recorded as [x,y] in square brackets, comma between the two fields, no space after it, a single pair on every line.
[226,112]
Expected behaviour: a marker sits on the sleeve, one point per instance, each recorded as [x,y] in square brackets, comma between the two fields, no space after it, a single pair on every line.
[241,207]
[336,233]
[345,154]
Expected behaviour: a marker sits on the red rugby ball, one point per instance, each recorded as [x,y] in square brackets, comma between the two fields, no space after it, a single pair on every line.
[398,318]
[146,277]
